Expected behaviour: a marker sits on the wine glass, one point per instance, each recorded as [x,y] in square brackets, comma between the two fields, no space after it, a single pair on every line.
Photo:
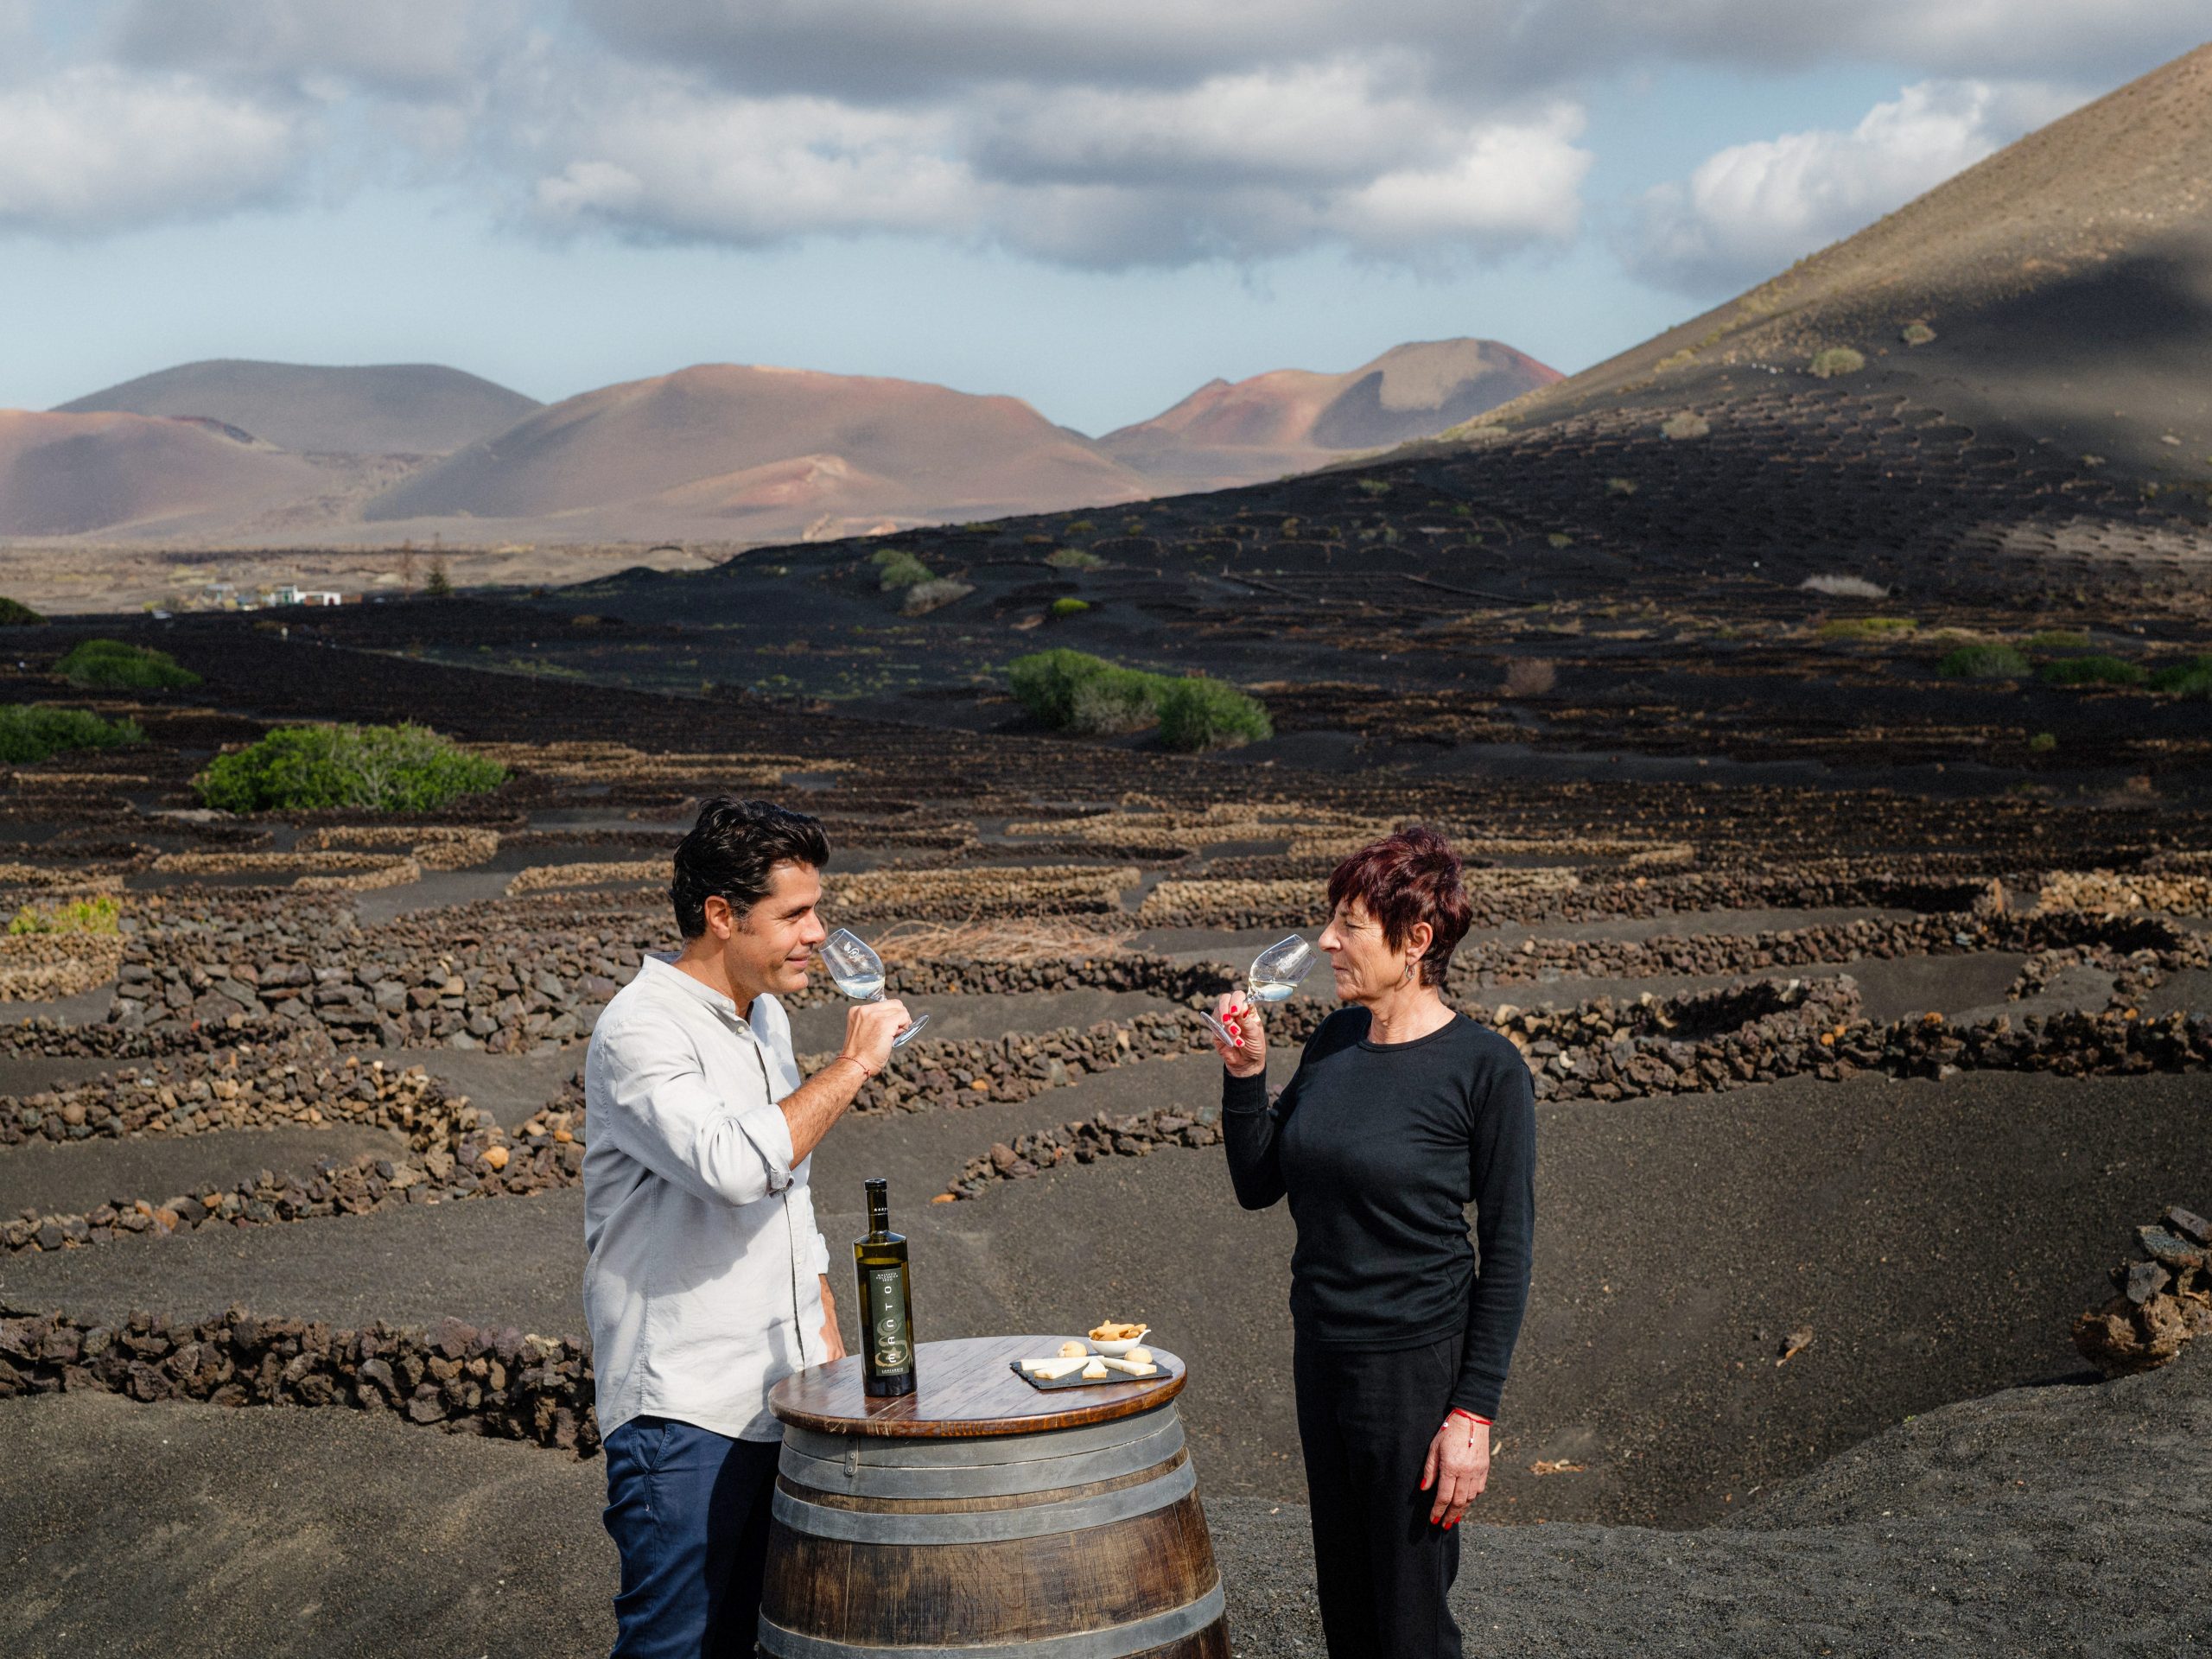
[858,973]
[1275,973]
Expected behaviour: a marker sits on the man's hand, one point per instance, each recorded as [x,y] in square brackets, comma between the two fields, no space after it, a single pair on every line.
[869,1027]
[833,1340]
[1241,1015]
[1458,1468]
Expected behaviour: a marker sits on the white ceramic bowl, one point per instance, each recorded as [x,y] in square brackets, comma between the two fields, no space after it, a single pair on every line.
[1116,1350]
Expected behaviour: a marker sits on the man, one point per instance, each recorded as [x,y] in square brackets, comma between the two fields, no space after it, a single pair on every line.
[707,1280]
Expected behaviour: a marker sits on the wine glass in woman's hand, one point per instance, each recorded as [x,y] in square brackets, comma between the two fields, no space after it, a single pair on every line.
[1275,973]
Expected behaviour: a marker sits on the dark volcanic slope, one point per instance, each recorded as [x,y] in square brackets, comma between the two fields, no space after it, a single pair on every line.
[407,409]
[2023,355]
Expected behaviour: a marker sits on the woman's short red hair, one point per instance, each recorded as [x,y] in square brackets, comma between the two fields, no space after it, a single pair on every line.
[1404,880]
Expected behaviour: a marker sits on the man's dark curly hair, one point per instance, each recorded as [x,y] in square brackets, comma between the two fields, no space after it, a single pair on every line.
[730,853]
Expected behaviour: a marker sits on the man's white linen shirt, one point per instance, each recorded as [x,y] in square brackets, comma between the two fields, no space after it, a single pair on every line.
[703,1286]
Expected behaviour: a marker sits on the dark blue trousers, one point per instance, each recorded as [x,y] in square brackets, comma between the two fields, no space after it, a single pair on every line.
[687,1509]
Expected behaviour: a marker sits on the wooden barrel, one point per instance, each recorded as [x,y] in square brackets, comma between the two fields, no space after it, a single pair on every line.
[1061,1525]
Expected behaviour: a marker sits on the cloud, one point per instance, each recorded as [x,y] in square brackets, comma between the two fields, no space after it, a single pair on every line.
[1240,166]
[1753,209]
[405,47]
[94,149]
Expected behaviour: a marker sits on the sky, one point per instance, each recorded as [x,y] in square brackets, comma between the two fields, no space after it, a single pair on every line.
[1094,208]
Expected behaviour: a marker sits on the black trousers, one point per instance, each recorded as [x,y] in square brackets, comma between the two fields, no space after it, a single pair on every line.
[1365,1420]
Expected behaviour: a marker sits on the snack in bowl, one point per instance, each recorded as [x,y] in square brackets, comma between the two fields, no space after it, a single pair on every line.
[1115,1338]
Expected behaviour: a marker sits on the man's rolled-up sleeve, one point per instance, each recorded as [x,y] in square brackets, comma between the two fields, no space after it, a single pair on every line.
[667,1116]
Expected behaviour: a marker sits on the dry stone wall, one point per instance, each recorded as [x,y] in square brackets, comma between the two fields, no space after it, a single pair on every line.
[459,1378]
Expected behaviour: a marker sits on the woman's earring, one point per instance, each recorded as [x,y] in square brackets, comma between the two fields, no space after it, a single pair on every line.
[1409,979]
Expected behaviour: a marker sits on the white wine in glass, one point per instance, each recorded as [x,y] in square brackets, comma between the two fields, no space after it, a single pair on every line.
[858,973]
[1275,973]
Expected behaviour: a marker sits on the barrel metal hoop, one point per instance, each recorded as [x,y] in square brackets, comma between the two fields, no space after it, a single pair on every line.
[1113,1642]
[899,1452]
[984,1526]
[982,1480]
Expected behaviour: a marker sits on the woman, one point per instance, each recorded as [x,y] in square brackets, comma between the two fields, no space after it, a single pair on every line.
[1401,1112]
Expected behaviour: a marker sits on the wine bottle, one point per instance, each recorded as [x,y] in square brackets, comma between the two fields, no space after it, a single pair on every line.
[887,1308]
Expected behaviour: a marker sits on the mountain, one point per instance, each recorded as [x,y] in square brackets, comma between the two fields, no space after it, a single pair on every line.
[2062,286]
[748,453]
[2004,388]
[1294,420]
[386,409]
[68,474]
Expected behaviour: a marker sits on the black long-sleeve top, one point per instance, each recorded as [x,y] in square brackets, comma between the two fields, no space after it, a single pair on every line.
[1379,1147]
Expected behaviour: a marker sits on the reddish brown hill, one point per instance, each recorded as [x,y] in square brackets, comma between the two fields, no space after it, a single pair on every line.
[383,409]
[764,452]
[1294,420]
[66,474]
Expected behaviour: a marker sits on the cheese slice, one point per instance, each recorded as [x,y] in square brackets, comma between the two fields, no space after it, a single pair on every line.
[1132,1366]
[1095,1370]
[1051,1370]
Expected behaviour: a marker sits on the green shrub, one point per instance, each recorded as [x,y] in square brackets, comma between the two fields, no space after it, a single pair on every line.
[1073,558]
[32,732]
[1073,692]
[1867,627]
[1375,485]
[2090,670]
[111,664]
[896,568]
[1069,607]
[2042,743]
[101,913]
[2055,639]
[13,613]
[1044,682]
[1837,360]
[2185,679]
[1114,699]
[1916,334]
[1983,663]
[1196,713]
[405,769]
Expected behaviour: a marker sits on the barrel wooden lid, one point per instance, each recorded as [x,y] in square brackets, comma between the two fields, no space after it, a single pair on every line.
[964,1390]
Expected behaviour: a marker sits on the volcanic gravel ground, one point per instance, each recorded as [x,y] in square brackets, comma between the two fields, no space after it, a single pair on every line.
[72,1178]
[518,1261]
[192,1530]
[2061,1521]
[2057,1521]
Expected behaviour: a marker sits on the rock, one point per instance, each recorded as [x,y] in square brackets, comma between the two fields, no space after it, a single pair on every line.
[2188,1224]
[2144,1280]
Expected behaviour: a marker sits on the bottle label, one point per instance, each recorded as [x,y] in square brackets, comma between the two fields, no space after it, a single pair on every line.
[891,1348]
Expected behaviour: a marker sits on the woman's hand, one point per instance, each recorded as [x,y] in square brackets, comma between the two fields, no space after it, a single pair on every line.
[1240,1016]
[1458,1468]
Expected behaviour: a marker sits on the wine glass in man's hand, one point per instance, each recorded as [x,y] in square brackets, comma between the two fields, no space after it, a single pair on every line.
[1275,973]
[858,973]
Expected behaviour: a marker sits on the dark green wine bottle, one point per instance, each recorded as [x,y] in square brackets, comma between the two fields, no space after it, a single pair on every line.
[886,1305]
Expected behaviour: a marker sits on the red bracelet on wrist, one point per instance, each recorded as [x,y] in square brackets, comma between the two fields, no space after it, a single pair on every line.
[1456,1412]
